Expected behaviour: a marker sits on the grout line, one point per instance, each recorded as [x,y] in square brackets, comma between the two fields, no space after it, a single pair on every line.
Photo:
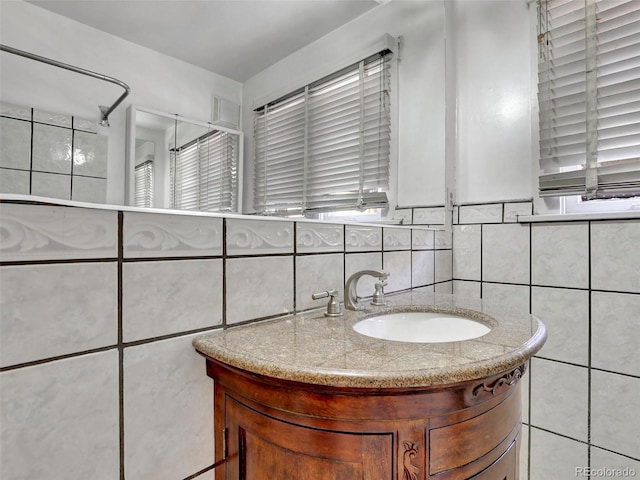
[224,273]
[120,345]
[589,351]
[56,358]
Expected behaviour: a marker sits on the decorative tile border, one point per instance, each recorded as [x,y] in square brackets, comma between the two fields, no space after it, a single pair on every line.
[319,237]
[428,216]
[360,238]
[42,232]
[259,237]
[160,235]
[490,213]
[396,239]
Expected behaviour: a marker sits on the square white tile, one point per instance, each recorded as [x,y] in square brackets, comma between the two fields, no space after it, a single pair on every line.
[565,313]
[569,416]
[514,210]
[615,402]
[160,235]
[318,273]
[90,154]
[168,410]
[165,297]
[505,253]
[258,237]
[554,457]
[57,309]
[514,296]
[86,189]
[15,111]
[15,181]
[398,266]
[56,119]
[444,265]
[319,237]
[42,232]
[615,332]
[51,149]
[602,460]
[60,419]
[444,287]
[560,254]
[423,268]
[258,287]
[51,185]
[615,256]
[465,288]
[15,144]
[467,252]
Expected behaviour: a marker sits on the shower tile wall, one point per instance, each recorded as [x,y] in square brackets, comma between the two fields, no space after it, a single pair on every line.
[582,279]
[51,155]
[98,309]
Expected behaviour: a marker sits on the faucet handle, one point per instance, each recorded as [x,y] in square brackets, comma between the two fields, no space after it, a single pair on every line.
[378,296]
[333,307]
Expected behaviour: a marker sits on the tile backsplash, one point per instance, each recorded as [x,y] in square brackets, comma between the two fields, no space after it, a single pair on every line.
[110,300]
[51,155]
[582,279]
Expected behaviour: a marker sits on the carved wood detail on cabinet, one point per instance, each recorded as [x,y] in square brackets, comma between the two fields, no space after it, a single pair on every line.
[280,430]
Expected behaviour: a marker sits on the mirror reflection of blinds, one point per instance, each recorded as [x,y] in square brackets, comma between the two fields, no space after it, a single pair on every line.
[204,173]
[589,97]
[144,184]
[326,147]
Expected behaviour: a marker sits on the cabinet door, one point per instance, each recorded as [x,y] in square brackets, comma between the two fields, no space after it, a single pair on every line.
[505,468]
[264,448]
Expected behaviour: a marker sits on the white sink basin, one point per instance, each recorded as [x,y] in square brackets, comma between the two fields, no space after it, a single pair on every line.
[421,327]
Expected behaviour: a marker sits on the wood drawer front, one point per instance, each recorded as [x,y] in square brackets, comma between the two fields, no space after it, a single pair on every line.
[461,443]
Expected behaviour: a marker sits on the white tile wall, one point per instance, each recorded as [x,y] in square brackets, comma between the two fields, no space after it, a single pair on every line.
[58,309]
[602,459]
[318,273]
[87,189]
[423,268]
[428,216]
[614,412]
[60,420]
[165,297]
[615,330]
[444,265]
[491,213]
[168,415]
[560,254]
[552,381]
[398,266]
[15,144]
[467,252]
[513,210]
[15,181]
[615,256]
[466,289]
[516,296]
[505,253]
[565,313]
[258,287]
[423,239]
[555,457]
[52,185]
[51,149]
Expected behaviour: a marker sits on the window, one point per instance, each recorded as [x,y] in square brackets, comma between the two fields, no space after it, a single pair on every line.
[327,146]
[589,97]
[144,184]
[204,173]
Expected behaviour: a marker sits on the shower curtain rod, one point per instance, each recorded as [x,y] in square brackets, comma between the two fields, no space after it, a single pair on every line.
[105,111]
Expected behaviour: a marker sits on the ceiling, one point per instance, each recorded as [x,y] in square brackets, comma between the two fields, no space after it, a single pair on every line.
[233,38]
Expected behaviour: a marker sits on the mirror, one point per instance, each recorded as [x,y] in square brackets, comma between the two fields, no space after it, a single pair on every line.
[176,162]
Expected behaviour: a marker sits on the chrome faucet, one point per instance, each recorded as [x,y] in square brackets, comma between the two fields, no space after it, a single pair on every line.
[351,289]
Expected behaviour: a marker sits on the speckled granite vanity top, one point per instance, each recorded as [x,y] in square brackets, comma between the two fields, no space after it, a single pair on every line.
[315,349]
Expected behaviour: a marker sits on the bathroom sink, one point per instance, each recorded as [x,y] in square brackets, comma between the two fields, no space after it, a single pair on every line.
[421,327]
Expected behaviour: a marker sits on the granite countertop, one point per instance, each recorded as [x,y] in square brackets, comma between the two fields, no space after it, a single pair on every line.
[315,349]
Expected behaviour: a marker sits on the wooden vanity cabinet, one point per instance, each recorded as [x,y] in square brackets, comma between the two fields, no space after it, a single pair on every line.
[272,429]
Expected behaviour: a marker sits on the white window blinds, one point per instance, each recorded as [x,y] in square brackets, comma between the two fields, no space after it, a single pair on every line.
[326,147]
[589,97]
[204,173]
[144,184]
